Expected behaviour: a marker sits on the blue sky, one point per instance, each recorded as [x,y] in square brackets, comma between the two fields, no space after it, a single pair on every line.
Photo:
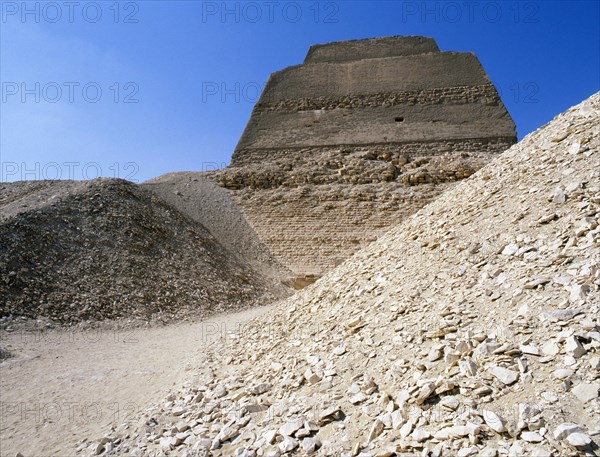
[135,89]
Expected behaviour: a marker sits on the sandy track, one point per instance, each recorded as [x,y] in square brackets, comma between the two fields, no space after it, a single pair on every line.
[65,386]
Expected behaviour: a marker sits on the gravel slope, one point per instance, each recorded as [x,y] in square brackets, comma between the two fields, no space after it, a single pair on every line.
[76,383]
[469,330]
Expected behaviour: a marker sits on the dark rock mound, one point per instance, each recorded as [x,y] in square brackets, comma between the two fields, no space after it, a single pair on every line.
[106,249]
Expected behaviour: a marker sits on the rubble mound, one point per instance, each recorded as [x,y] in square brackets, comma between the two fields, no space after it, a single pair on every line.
[107,249]
[471,329]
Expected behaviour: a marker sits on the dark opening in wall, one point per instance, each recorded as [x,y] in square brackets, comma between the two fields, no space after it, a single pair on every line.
[399,119]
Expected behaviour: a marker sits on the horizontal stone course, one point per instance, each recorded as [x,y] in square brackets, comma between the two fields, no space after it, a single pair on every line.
[316,207]
[374,76]
[485,93]
[370,48]
[373,126]
[282,160]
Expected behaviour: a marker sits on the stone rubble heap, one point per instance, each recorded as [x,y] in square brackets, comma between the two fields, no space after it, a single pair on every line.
[471,329]
[76,251]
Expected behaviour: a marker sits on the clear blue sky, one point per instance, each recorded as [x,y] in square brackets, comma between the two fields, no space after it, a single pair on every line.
[192,70]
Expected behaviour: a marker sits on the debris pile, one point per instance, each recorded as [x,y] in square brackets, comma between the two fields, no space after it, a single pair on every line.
[471,329]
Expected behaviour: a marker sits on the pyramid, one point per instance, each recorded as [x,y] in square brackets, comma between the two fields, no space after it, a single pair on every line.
[361,135]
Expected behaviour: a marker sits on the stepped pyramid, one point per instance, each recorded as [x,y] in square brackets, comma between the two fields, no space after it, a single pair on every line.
[357,138]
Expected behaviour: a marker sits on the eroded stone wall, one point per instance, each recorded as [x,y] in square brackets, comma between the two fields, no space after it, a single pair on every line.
[370,48]
[360,136]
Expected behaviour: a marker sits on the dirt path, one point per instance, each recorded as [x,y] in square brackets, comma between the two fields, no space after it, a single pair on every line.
[64,386]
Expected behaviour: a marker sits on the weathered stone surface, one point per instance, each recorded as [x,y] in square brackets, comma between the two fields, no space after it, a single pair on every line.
[494,421]
[565,429]
[586,392]
[393,46]
[505,376]
[290,428]
[579,439]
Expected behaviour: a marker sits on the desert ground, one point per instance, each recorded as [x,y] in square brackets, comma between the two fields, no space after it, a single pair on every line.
[62,387]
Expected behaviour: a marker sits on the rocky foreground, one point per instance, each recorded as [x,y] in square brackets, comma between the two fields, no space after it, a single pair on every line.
[470,330]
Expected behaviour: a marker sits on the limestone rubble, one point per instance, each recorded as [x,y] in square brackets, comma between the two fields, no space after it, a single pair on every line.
[470,329]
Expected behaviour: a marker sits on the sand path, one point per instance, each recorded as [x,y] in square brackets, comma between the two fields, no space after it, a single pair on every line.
[62,387]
